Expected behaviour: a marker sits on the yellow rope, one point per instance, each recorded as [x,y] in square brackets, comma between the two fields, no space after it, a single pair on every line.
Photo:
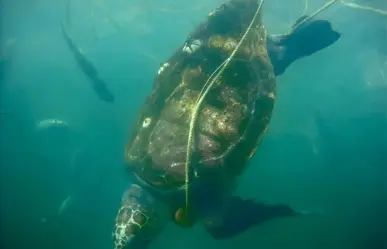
[200,100]
[324,7]
[346,4]
[362,7]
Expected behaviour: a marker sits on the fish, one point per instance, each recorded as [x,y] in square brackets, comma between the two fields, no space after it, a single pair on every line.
[50,123]
[64,206]
[87,67]
[4,68]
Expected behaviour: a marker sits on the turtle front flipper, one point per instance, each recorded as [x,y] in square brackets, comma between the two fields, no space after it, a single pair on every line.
[141,217]
[238,215]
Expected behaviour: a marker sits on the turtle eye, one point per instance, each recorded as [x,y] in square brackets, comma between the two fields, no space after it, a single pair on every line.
[146,122]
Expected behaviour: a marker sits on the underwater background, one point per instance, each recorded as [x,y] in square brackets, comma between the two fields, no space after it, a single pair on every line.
[61,184]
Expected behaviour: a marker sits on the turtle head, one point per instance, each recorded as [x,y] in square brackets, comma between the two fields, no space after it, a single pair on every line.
[140,218]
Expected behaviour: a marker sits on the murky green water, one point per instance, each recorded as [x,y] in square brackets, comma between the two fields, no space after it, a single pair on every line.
[325,150]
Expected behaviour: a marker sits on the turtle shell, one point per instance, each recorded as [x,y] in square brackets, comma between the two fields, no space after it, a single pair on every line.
[233,116]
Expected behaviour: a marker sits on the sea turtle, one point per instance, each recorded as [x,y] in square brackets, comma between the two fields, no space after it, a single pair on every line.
[231,56]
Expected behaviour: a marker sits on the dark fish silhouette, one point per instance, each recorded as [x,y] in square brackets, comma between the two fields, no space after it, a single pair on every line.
[4,67]
[89,70]
[306,38]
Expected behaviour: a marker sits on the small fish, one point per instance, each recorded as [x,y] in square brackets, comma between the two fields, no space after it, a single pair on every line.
[89,70]
[65,205]
[4,68]
[51,123]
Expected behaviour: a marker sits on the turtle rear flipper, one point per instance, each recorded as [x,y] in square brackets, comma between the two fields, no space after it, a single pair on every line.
[306,38]
[239,215]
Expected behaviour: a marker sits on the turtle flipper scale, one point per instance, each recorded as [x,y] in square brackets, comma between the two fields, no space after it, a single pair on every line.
[239,215]
[141,217]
